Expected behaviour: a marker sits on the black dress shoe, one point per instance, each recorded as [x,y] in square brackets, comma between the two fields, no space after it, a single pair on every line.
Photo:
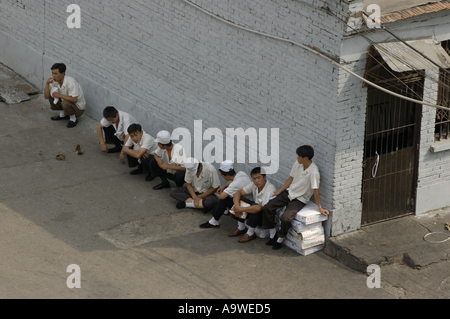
[58,118]
[181,205]
[277,246]
[208,225]
[140,170]
[116,149]
[272,240]
[161,186]
[72,123]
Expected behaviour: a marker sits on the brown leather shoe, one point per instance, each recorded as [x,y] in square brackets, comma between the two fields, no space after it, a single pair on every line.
[246,238]
[237,232]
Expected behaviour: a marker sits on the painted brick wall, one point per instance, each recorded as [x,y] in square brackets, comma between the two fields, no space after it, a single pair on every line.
[175,64]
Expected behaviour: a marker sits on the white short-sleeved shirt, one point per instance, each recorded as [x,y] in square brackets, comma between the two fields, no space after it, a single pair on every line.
[259,196]
[208,178]
[304,182]
[71,88]
[239,182]
[147,142]
[125,120]
[178,156]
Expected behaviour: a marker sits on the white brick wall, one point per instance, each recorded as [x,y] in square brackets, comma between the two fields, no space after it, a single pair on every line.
[176,64]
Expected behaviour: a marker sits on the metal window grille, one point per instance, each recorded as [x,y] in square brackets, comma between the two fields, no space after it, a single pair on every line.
[442,126]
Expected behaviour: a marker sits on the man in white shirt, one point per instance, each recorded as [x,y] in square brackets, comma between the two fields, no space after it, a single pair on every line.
[235,182]
[202,181]
[115,125]
[139,150]
[261,190]
[65,95]
[167,162]
[296,192]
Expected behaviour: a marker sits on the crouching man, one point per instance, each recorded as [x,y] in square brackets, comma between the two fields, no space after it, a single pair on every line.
[250,217]
[202,181]
[235,182]
[65,95]
[139,150]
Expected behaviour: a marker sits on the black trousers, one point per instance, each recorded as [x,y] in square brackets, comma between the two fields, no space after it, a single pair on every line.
[110,137]
[145,163]
[252,220]
[270,211]
[155,170]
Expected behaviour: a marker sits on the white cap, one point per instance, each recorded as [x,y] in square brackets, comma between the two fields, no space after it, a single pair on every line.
[163,137]
[226,166]
[191,164]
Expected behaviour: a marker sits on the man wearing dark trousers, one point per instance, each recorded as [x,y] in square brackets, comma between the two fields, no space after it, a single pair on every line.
[167,162]
[235,182]
[296,192]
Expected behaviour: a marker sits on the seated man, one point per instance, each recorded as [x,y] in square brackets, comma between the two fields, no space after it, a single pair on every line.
[202,181]
[167,162]
[235,182]
[65,95]
[115,125]
[294,194]
[261,189]
[139,150]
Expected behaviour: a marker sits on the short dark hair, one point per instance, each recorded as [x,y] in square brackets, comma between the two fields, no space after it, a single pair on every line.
[110,112]
[257,170]
[305,151]
[60,66]
[232,172]
[168,144]
[134,128]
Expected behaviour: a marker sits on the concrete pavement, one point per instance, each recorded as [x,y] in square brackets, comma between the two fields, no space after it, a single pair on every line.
[131,242]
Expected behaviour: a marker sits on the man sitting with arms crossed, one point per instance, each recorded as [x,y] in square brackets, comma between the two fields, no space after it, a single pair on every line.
[294,194]
[235,182]
[261,189]
[139,150]
[202,181]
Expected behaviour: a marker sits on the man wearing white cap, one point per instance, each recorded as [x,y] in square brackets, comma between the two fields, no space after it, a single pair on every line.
[235,182]
[202,181]
[168,162]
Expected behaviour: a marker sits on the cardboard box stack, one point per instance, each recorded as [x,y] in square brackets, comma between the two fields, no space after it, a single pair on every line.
[306,235]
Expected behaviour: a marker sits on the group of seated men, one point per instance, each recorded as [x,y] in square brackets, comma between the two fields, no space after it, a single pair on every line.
[253,201]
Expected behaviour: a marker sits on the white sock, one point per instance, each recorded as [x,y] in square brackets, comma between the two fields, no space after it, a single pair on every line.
[214,222]
[191,204]
[280,240]
[61,114]
[241,225]
[73,118]
[251,231]
[273,232]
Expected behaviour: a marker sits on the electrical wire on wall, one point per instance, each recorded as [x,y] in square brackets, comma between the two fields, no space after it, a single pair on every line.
[316,52]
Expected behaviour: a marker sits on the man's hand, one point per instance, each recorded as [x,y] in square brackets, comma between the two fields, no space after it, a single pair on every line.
[163,165]
[221,189]
[196,201]
[50,81]
[324,211]
[122,157]
[276,193]
[104,148]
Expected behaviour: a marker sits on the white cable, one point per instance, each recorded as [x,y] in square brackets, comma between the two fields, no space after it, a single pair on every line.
[317,53]
[436,242]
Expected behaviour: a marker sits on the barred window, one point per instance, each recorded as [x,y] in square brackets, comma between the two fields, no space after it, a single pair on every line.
[442,131]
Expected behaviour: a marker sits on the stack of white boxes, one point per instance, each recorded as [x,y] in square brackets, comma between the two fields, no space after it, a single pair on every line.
[306,235]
